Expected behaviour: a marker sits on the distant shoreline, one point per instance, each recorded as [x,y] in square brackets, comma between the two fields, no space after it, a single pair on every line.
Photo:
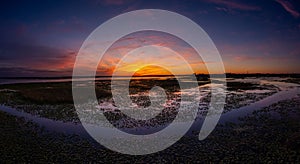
[228,75]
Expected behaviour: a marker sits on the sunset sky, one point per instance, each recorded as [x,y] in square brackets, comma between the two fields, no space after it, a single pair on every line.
[42,38]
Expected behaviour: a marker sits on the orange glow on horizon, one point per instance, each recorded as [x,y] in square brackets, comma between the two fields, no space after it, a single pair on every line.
[151,70]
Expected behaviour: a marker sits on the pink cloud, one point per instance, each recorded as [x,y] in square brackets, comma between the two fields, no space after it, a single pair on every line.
[234,5]
[289,8]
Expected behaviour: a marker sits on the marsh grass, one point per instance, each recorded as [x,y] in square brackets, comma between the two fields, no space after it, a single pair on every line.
[259,138]
[54,100]
[235,86]
[265,136]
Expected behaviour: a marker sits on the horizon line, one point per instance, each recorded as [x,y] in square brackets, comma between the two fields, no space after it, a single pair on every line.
[107,76]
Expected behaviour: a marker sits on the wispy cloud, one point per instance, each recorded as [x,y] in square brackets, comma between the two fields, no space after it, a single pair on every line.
[235,5]
[289,8]
[34,58]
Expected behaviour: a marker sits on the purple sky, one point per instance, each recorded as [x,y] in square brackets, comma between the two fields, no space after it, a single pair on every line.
[42,38]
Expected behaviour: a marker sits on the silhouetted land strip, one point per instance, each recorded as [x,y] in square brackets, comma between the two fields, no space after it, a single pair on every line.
[228,75]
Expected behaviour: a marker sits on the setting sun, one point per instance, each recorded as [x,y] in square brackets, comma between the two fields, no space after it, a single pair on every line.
[151,70]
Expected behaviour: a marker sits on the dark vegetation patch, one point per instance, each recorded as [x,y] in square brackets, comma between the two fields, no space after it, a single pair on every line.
[49,93]
[234,86]
[293,80]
